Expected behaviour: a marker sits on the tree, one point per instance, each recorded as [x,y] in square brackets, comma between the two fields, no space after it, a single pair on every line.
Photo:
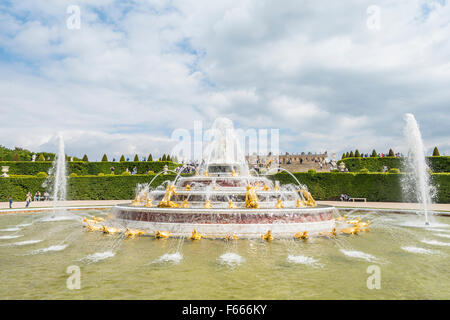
[85,158]
[347,155]
[357,154]
[168,158]
[16,157]
[122,158]
[163,157]
[150,158]
[351,154]
[343,156]
[391,153]
[104,158]
[136,158]
[41,157]
[436,152]
[374,153]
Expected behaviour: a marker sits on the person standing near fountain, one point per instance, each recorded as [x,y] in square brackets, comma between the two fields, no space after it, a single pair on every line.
[10,201]
[28,199]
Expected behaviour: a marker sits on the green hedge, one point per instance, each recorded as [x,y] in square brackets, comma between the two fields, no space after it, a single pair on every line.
[373,186]
[108,187]
[323,185]
[86,168]
[437,164]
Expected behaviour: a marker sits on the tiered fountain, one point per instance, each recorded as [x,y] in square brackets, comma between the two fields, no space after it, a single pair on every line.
[224,200]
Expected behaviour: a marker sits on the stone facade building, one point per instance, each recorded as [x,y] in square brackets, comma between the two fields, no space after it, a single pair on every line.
[295,162]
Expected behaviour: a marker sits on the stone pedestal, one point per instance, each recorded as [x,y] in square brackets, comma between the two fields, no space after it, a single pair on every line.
[5,170]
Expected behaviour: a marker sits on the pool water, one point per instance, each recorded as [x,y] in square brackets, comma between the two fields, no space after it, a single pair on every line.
[36,250]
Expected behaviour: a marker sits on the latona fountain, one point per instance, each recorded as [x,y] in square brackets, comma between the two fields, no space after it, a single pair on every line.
[224,200]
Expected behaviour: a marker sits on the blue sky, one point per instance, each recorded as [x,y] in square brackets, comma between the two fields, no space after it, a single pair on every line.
[137,70]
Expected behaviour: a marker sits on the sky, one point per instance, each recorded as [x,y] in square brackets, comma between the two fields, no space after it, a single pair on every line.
[331,76]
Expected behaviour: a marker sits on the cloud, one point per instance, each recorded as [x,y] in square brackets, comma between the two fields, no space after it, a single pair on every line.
[136,71]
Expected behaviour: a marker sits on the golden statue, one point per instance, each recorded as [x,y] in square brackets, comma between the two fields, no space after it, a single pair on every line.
[300,203]
[233,173]
[279,204]
[86,220]
[110,230]
[97,219]
[206,173]
[268,236]
[188,187]
[266,187]
[162,234]
[196,236]
[231,237]
[276,188]
[94,228]
[231,205]
[165,202]
[149,203]
[185,204]
[309,201]
[207,205]
[329,234]
[353,230]
[301,235]
[251,199]
[136,202]
[129,233]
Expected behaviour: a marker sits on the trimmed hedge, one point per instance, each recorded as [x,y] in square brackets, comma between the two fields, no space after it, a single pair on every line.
[373,186]
[437,164]
[85,168]
[108,187]
[322,185]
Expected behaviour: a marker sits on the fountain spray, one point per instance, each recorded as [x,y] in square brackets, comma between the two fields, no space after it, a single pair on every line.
[417,165]
[59,166]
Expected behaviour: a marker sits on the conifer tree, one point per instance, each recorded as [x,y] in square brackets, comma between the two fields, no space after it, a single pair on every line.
[374,153]
[122,158]
[136,158]
[150,158]
[85,158]
[357,154]
[391,153]
[436,152]
[104,158]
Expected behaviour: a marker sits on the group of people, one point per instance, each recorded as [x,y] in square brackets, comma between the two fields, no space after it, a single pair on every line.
[345,197]
[29,198]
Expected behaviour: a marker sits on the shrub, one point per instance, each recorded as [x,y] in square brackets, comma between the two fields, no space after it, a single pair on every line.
[150,158]
[101,174]
[104,158]
[436,152]
[394,170]
[351,154]
[311,171]
[16,157]
[122,158]
[343,156]
[150,172]
[364,170]
[374,153]
[85,158]
[126,173]
[357,154]
[73,175]
[41,157]
[136,158]
[391,153]
[42,175]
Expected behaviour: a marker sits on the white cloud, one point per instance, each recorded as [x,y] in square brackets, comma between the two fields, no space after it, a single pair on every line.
[137,70]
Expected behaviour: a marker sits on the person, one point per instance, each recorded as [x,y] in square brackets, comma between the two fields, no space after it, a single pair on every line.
[28,199]
[134,170]
[10,202]
[38,196]
[112,170]
[46,196]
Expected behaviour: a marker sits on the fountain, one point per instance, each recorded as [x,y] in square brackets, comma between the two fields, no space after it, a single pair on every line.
[224,200]
[417,169]
[57,179]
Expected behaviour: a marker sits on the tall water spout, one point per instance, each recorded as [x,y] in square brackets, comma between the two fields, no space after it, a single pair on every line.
[417,168]
[59,170]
